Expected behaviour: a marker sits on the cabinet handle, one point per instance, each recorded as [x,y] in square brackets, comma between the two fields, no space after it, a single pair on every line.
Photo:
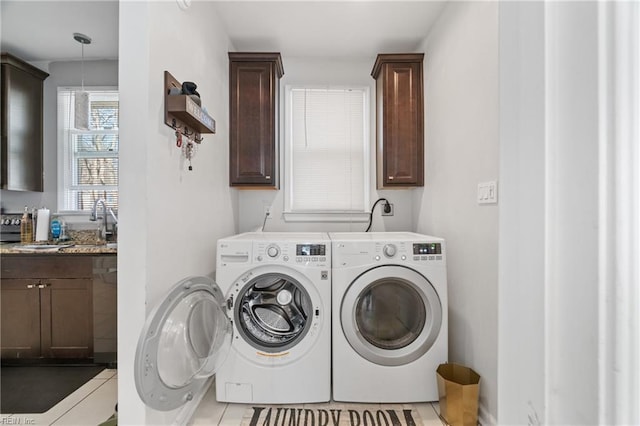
[267,177]
[44,285]
[390,177]
[31,286]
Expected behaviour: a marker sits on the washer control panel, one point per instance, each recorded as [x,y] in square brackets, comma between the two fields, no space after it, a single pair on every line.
[315,254]
[311,253]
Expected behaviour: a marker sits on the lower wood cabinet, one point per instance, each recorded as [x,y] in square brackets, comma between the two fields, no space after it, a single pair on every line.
[47,307]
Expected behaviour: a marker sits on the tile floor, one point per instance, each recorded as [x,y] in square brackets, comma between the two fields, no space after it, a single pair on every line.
[94,402]
[210,412]
[91,404]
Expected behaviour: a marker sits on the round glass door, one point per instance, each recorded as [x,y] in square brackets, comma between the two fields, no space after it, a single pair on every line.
[391,315]
[184,341]
[273,312]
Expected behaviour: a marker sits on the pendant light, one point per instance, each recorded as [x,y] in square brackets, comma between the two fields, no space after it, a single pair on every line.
[81,121]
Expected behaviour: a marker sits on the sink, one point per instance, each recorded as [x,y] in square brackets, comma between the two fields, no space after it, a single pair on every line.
[43,247]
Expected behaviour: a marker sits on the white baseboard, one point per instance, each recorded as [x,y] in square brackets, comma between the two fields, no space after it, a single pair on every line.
[484,416]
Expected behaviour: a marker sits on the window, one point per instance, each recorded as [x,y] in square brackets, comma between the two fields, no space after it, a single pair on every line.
[326,154]
[88,159]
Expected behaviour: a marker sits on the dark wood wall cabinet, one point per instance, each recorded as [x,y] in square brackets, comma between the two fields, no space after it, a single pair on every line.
[21,106]
[254,93]
[399,120]
[47,307]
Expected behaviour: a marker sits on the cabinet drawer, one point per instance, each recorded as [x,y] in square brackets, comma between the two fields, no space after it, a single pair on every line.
[46,267]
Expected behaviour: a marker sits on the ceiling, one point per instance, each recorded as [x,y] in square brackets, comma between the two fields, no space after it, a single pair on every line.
[328,28]
[43,30]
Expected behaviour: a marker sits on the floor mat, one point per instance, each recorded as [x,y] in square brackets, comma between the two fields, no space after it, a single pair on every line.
[332,414]
[35,389]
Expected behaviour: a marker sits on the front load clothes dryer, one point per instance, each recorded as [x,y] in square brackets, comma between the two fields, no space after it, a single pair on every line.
[389,304]
[278,288]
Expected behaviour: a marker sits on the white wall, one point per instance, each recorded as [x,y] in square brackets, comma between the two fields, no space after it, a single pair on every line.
[568,337]
[461,150]
[170,218]
[572,215]
[330,72]
[521,305]
[96,73]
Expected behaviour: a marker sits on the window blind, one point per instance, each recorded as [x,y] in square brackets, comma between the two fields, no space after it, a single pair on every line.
[327,149]
[88,159]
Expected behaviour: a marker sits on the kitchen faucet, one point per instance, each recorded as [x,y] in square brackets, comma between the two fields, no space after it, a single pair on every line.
[94,217]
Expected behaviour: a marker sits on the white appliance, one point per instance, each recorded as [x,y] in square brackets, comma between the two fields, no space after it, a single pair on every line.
[263,328]
[389,305]
[280,288]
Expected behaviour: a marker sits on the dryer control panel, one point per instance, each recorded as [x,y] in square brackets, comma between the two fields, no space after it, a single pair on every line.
[427,251]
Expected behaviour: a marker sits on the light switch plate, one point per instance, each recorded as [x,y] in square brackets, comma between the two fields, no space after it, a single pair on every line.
[488,192]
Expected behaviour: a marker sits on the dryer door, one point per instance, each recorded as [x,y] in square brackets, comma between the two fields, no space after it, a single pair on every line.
[184,341]
[391,315]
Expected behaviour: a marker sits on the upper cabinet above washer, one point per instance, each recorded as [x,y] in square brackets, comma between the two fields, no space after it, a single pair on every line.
[399,120]
[254,80]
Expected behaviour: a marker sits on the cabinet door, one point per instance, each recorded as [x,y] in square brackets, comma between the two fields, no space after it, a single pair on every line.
[20,318]
[253,115]
[67,318]
[22,164]
[400,125]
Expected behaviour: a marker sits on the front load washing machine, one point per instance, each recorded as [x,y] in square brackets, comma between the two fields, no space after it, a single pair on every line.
[278,286]
[263,327]
[389,309]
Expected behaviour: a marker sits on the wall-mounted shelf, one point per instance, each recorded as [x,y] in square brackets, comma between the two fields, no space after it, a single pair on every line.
[183,114]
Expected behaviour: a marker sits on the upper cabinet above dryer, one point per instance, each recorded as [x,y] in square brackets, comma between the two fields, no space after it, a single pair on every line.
[254,80]
[399,120]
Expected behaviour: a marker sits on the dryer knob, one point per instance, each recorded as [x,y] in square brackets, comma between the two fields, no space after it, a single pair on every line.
[273,251]
[389,250]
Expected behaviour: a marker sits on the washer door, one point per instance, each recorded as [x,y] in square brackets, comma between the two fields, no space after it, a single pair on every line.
[273,312]
[391,315]
[184,341]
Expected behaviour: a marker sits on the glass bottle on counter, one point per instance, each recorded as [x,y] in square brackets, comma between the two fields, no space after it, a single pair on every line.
[26,227]
[56,228]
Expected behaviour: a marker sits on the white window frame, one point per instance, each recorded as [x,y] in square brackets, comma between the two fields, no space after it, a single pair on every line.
[291,215]
[64,157]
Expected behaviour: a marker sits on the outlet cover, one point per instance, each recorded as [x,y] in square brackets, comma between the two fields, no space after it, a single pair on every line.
[390,212]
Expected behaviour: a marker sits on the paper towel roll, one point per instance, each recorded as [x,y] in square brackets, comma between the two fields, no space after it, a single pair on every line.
[42,225]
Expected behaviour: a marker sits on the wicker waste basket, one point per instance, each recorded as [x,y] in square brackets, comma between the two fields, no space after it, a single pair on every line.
[458,391]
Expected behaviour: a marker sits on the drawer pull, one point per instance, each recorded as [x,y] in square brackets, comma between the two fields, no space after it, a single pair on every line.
[44,285]
[31,286]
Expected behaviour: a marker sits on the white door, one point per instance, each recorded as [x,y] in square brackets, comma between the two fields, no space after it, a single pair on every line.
[391,315]
[184,341]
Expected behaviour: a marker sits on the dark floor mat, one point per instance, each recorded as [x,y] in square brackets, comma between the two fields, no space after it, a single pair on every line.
[35,389]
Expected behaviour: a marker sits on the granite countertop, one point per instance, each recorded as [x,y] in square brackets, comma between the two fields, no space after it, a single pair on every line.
[51,249]
[80,242]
